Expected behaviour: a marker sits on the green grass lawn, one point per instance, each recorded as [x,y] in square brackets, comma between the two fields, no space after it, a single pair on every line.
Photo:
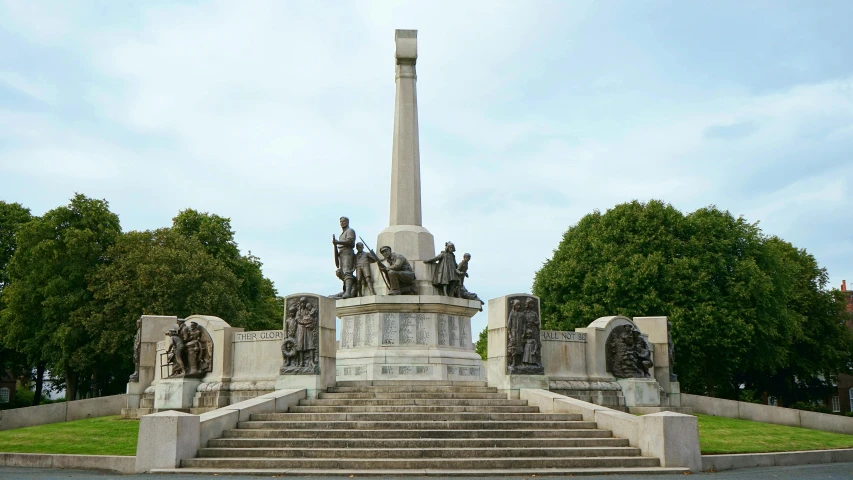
[92,436]
[729,435]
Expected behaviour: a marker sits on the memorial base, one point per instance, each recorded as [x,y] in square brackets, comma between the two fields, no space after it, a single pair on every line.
[511,384]
[175,393]
[312,384]
[640,392]
[408,338]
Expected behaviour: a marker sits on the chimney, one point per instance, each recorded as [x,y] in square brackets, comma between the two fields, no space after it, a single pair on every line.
[844,285]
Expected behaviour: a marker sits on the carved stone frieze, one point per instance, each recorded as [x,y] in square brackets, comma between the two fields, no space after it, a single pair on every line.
[190,351]
[524,346]
[301,347]
[627,354]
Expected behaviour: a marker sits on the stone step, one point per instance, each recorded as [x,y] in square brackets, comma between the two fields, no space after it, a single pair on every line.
[412,409]
[416,434]
[415,425]
[385,383]
[392,453]
[508,463]
[413,417]
[442,472]
[464,402]
[415,442]
[411,395]
[413,389]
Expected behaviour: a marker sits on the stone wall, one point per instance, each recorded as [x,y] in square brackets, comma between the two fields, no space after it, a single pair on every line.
[720,407]
[62,412]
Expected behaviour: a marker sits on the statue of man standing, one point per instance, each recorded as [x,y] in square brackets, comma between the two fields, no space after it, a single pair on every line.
[345,244]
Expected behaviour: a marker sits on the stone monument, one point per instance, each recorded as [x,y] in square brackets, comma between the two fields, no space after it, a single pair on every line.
[308,349]
[408,330]
[515,345]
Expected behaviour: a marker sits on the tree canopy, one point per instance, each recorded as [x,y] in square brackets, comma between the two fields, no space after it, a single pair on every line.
[747,309]
[75,285]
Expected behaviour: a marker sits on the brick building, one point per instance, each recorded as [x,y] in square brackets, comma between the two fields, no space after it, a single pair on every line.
[844,401]
[7,388]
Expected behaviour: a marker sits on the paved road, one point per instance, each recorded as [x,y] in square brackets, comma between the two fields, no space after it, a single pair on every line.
[835,471]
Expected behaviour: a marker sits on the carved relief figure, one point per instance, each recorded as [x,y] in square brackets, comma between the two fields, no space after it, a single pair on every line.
[176,353]
[345,258]
[524,346]
[444,275]
[137,349]
[462,272]
[362,265]
[399,273]
[190,351]
[627,354]
[301,346]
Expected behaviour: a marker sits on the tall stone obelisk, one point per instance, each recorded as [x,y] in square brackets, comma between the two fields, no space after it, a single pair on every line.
[405,233]
[421,337]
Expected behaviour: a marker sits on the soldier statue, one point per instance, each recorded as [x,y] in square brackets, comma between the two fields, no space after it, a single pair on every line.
[399,273]
[345,258]
[362,264]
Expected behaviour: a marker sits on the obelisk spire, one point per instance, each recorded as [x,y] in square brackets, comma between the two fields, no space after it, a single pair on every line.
[405,155]
[405,233]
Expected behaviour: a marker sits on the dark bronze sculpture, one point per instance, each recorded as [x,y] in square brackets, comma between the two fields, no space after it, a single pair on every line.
[524,346]
[137,348]
[345,258]
[362,264]
[401,277]
[301,347]
[190,352]
[462,271]
[627,354]
[444,275]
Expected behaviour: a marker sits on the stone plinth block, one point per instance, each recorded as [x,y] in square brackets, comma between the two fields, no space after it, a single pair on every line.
[177,393]
[407,337]
[498,359]
[640,392]
[165,439]
[322,375]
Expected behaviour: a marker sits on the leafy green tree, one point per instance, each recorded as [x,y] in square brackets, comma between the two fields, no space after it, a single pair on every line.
[47,287]
[482,345]
[257,292]
[155,273]
[739,301]
[12,217]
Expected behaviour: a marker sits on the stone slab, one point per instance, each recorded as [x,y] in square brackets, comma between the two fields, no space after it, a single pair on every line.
[110,463]
[718,463]
[165,439]
[640,392]
[175,393]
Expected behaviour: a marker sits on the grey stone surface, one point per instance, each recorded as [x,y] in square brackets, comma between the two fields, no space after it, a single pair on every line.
[640,392]
[175,393]
[768,414]
[62,412]
[671,437]
[110,463]
[165,439]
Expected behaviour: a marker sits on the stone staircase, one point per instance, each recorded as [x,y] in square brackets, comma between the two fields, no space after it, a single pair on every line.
[427,428]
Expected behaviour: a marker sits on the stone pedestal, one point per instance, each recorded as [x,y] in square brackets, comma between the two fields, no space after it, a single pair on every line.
[640,392]
[498,362]
[175,393]
[407,337]
[327,347]
[153,329]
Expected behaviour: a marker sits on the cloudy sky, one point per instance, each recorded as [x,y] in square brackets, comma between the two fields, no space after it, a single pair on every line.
[279,115]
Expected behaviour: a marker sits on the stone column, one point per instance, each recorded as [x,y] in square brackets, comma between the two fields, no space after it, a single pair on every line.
[405,233]
[153,330]
[324,376]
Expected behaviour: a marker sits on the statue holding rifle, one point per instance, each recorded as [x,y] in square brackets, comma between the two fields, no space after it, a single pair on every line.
[345,259]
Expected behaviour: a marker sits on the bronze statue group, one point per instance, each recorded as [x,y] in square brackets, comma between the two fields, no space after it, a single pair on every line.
[353,269]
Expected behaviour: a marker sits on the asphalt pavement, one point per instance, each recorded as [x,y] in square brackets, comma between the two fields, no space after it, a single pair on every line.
[833,471]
